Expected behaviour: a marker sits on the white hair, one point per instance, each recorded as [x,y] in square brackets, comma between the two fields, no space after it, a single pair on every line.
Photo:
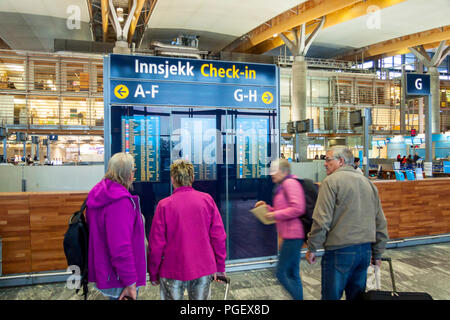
[120,168]
[343,152]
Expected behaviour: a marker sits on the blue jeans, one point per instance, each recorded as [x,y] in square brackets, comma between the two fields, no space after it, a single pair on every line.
[345,269]
[288,268]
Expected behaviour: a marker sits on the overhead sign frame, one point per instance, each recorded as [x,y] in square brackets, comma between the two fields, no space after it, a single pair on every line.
[164,81]
[180,82]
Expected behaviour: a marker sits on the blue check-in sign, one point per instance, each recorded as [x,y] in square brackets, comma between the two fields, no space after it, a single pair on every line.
[191,94]
[417,84]
[146,80]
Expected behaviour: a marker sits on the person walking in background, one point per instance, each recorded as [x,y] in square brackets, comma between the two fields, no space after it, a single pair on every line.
[187,239]
[348,221]
[356,165]
[288,205]
[116,254]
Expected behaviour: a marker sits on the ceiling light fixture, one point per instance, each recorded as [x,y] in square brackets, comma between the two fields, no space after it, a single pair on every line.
[120,14]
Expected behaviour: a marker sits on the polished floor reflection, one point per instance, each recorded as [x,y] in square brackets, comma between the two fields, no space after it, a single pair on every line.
[420,268]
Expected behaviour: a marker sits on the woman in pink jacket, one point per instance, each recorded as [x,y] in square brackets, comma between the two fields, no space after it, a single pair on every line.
[288,205]
[187,239]
[116,255]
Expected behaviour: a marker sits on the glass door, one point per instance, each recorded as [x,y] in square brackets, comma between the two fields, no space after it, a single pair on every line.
[252,143]
[198,136]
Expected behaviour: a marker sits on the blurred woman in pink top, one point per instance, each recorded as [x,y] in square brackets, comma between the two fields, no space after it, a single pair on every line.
[187,240]
[288,205]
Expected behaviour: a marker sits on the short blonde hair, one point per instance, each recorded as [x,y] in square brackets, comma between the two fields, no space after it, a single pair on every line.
[182,172]
[120,168]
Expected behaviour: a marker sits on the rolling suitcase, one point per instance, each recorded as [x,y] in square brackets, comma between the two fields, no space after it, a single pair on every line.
[394,294]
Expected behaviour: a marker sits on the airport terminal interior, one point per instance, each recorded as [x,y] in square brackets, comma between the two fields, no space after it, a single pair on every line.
[231,86]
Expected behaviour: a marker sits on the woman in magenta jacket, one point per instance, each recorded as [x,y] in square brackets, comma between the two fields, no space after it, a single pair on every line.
[187,239]
[288,205]
[116,254]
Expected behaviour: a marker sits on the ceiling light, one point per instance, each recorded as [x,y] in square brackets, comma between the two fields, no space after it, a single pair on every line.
[120,14]
[15,67]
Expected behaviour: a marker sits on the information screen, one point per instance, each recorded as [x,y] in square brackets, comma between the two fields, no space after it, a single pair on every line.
[251,143]
[140,138]
[199,145]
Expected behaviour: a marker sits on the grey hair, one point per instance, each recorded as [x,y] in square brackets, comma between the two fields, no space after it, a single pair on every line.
[343,152]
[120,168]
[282,165]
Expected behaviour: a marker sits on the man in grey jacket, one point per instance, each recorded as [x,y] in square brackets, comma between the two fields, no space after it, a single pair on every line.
[349,223]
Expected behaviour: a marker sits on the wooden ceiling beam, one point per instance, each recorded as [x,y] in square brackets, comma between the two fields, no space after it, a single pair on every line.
[303,13]
[134,22]
[105,20]
[331,19]
[429,39]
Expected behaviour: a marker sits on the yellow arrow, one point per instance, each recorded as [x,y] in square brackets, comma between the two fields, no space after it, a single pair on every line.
[121,91]
[267,97]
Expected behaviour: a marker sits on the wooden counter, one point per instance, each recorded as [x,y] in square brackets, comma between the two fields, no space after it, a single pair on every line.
[32,224]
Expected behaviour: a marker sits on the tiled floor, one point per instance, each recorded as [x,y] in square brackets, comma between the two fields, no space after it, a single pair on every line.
[420,268]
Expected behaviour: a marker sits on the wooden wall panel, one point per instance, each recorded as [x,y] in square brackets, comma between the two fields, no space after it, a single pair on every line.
[390,200]
[50,214]
[33,224]
[15,233]
[416,208]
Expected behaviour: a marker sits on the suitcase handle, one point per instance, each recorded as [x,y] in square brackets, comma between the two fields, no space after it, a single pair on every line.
[227,281]
[223,279]
[391,270]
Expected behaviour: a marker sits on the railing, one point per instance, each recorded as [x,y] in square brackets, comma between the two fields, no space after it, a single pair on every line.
[348,66]
[39,89]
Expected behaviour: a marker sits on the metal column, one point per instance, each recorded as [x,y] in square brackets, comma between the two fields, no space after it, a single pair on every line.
[403,101]
[5,153]
[366,123]
[428,165]
[107,111]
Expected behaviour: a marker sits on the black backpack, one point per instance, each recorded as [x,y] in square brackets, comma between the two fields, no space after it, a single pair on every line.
[311,191]
[76,246]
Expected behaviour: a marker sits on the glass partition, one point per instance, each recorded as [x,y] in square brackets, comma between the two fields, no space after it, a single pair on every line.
[231,153]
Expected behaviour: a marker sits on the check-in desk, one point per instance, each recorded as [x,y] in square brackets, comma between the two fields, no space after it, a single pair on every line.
[32,224]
